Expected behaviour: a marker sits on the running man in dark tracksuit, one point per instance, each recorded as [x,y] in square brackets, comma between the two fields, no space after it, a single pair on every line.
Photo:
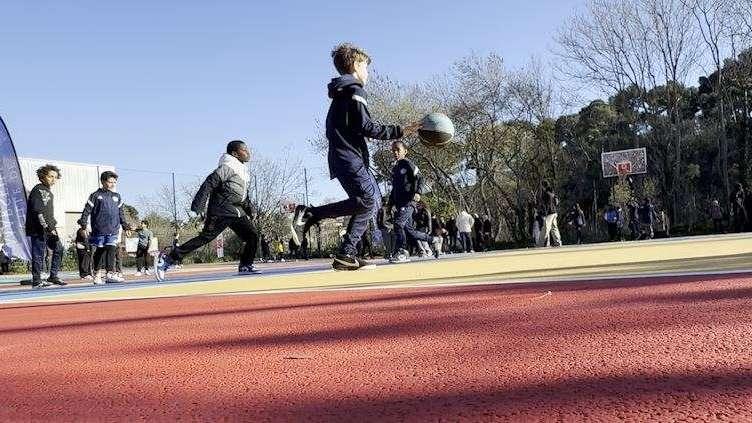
[223,200]
[407,186]
[348,125]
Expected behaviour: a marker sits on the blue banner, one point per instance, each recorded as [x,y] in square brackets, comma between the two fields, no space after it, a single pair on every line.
[12,200]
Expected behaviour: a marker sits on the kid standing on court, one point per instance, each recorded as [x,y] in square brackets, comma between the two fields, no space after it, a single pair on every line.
[105,207]
[41,228]
[348,125]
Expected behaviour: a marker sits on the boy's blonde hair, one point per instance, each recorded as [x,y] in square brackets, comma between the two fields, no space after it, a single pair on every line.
[345,55]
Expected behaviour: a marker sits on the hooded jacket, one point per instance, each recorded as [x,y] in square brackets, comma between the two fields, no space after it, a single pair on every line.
[348,124]
[225,190]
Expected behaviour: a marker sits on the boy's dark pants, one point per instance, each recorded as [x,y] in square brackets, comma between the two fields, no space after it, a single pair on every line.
[39,246]
[142,256]
[362,204]
[214,226]
[84,262]
[403,224]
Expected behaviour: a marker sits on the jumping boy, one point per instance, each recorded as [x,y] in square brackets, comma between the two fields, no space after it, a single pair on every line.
[348,125]
[223,200]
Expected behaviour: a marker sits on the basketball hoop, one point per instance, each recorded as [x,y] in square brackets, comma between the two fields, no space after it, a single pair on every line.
[623,163]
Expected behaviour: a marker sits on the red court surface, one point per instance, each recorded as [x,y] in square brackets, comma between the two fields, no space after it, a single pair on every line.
[668,349]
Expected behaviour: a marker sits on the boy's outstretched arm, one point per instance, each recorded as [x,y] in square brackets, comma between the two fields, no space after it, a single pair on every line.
[368,127]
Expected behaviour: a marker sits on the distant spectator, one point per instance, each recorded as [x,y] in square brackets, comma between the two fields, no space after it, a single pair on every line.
[716,214]
[452,234]
[547,204]
[83,254]
[633,219]
[142,249]
[478,233]
[488,238]
[576,219]
[385,224]
[738,208]
[465,227]
[611,216]
[647,219]
[4,261]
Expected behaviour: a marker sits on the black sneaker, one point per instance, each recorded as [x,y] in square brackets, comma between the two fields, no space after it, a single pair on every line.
[39,284]
[56,281]
[347,260]
[365,264]
[339,266]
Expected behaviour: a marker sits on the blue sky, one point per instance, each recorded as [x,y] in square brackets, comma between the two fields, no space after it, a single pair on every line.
[163,85]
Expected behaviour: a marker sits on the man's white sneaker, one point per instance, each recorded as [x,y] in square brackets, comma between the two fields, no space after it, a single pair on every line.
[98,280]
[137,274]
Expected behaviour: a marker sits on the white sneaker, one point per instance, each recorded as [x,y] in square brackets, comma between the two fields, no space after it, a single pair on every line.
[147,272]
[400,257]
[88,277]
[137,274]
[98,280]
[114,278]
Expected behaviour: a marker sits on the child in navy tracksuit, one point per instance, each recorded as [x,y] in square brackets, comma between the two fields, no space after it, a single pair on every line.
[407,186]
[348,124]
[105,207]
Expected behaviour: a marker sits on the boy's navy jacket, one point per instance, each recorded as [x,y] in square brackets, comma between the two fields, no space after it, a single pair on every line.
[348,124]
[406,182]
[106,211]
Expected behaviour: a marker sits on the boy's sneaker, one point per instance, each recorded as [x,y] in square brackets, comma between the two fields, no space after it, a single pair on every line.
[137,274]
[400,256]
[160,267]
[147,272]
[336,265]
[365,264]
[39,284]
[437,241]
[56,281]
[347,260]
[88,278]
[98,280]
[114,278]
[298,226]
[248,270]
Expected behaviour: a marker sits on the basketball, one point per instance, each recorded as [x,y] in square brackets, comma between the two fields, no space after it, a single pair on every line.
[436,130]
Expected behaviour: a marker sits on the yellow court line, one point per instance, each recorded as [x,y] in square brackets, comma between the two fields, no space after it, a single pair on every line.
[696,254]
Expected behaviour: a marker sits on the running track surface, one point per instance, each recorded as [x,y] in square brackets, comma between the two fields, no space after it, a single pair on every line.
[661,349]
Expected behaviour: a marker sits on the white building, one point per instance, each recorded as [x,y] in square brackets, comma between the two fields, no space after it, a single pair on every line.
[71,191]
